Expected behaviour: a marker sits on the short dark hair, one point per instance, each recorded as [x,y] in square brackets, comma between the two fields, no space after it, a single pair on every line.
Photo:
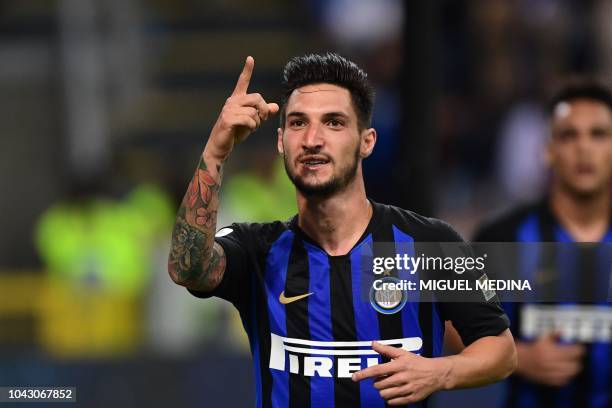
[330,68]
[581,88]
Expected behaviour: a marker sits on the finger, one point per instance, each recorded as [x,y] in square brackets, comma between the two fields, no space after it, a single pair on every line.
[391,381]
[566,368]
[394,392]
[561,371]
[402,400]
[573,351]
[246,121]
[273,108]
[245,77]
[388,351]
[375,371]
[250,111]
[570,373]
[561,356]
[256,101]
[567,375]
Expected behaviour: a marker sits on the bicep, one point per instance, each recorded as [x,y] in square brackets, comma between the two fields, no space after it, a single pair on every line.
[473,319]
[502,342]
[500,348]
[486,360]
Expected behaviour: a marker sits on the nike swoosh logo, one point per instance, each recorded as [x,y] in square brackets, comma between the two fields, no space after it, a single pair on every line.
[286,300]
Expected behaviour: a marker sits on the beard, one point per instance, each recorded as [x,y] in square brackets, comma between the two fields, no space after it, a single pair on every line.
[585,194]
[336,183]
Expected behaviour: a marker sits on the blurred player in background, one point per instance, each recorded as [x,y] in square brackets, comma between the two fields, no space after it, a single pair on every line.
[577,208]
[314,339]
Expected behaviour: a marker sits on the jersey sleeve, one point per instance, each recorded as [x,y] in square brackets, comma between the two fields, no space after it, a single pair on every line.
[476,315]
[239,246]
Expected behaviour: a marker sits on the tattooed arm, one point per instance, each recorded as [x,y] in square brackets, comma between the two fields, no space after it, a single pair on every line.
[196,261]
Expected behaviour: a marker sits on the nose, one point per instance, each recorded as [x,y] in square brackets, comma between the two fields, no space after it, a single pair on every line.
[585,143]
[313,139]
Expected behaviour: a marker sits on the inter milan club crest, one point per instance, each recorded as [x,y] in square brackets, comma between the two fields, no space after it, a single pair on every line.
[386,299]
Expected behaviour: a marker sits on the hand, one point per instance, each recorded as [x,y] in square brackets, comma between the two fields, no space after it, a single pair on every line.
[545,361]
[241,115]
[407,378]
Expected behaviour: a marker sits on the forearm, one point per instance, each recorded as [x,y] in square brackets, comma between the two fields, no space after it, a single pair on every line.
[485,361]
[194,258]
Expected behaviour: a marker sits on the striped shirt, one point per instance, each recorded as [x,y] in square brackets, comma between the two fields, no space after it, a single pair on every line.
[310,318]
[592,388]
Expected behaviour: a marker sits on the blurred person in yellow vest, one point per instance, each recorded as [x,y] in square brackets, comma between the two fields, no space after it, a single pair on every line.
[250,196]
[98,254]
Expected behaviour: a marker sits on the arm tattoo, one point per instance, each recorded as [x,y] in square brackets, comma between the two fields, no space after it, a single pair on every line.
[195,260]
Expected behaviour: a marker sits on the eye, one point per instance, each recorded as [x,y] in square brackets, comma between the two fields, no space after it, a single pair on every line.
[297,123]
[335,123]
[599,133]
[565,135]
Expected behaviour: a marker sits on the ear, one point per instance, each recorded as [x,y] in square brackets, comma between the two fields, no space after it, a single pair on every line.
[368,140]
[279,141]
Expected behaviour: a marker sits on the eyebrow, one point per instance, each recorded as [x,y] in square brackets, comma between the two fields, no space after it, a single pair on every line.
[330,115]
[296,113]
[327,115]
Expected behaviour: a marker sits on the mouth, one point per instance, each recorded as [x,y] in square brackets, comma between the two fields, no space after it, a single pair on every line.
[314,162]
[585,169]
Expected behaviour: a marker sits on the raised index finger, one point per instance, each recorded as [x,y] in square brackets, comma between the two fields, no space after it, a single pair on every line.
[245,77]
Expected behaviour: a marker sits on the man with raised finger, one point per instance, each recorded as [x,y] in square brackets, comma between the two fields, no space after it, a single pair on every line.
[316,340]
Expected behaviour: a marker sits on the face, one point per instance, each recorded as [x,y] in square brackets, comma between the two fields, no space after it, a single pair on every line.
[321,143]
[580,148]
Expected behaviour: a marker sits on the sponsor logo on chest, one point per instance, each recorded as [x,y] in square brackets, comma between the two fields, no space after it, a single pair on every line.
[329,358]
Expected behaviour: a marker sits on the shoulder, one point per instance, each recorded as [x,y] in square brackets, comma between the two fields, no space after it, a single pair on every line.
[265,228]
[420,227]
[253,232]
[502,226]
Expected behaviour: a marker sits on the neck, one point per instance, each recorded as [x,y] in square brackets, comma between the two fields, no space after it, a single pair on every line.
[337,222]
[587,217]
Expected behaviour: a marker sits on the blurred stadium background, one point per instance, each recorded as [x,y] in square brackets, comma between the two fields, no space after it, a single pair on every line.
[105,106]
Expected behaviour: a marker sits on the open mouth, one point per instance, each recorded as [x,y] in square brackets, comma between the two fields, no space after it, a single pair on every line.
[314,162]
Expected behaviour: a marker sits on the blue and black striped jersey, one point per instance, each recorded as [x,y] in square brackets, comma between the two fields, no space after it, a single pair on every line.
[579,271]
[309,325]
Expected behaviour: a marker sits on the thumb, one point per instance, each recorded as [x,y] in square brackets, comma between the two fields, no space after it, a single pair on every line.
[273,108]
[388,351]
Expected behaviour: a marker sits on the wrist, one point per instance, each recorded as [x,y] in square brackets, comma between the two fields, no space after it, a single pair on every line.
[447,373]
[213,154]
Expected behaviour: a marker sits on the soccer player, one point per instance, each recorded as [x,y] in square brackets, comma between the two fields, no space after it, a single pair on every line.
[572,372]
[315,340]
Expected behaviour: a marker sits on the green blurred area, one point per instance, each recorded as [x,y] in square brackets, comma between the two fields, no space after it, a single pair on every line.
[103,259]
[86,277]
